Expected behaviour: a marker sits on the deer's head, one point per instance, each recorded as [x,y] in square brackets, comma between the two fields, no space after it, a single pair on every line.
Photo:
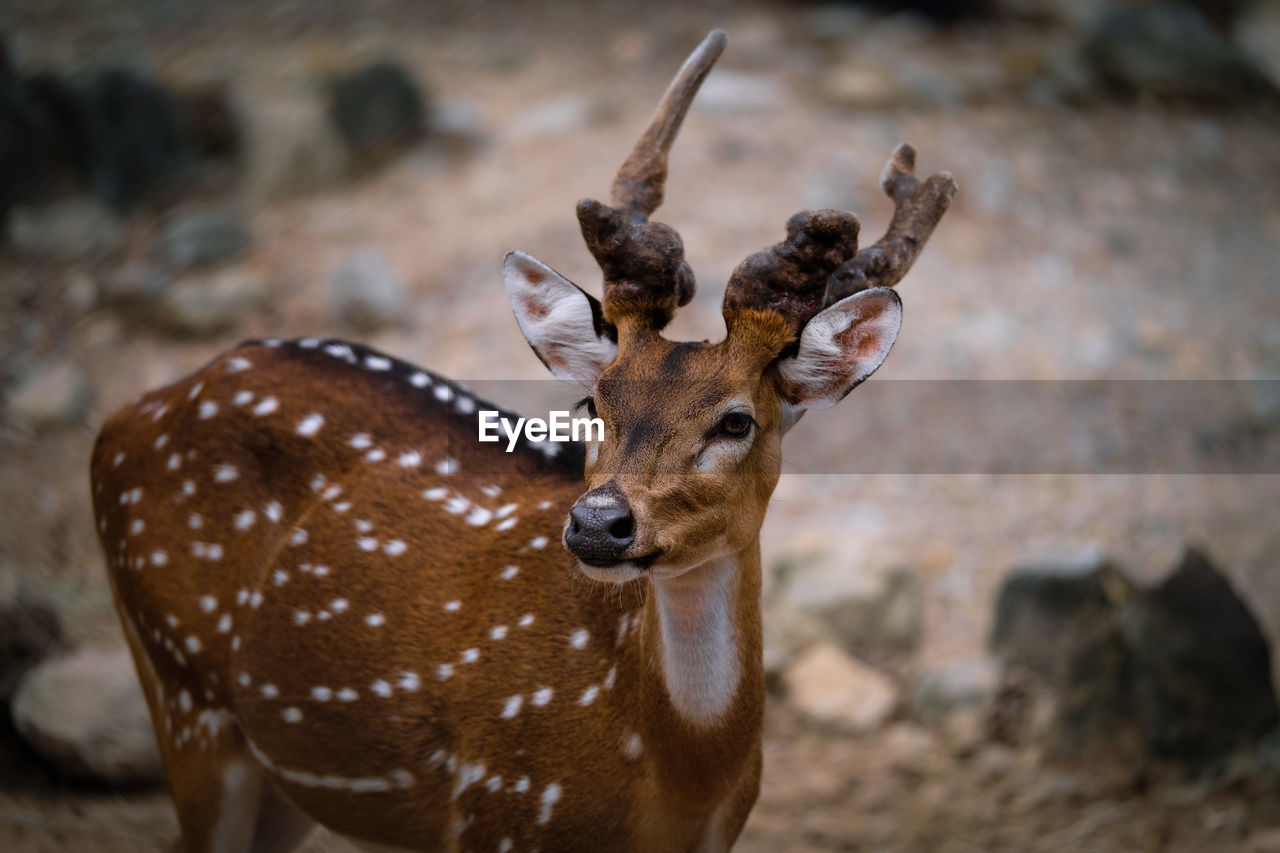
[693,431]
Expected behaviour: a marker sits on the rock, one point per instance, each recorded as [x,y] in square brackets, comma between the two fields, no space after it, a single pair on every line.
[136,290]
[911,748]
[868,604]
[53,394]
[1263,841]
[957,687]
[211,303]
[787,632]
[136,140]
[198,236]
[29,632]
[86,716]
[1057,618]
[377,109]
[73,229]
[740,92]
[1170,50]
[290,147]
[560,116]
[366,293]
[459,123]
[1202,668]
[833,688]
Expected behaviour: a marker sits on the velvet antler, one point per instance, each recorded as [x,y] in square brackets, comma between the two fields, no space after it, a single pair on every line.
[819,263]
[645,274]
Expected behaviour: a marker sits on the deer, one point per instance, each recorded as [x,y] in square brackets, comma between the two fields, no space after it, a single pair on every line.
[345,610]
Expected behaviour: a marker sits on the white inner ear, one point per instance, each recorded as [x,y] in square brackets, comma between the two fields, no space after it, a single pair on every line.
[840,347]
[556,319]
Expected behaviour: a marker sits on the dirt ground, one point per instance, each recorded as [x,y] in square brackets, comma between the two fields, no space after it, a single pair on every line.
[1119,240]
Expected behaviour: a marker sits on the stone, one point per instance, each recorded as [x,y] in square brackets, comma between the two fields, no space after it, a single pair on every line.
[911,748]
[957,687]
[1201,666]
[208,304]
[867,602]
[77,228]
[135,290]
[1057,617]
[740,92]
[1170,50]
[377,109]
[86,717]
[834,689]
[29,632]
[289,146]
[366,293]
[53,394]
[203,235]
[560,116]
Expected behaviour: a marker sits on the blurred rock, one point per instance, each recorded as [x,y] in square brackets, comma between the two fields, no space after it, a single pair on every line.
[136,139]
[1202,668]
[1170,50]
[460,123]
[377,109]
[68,230]
[29,633]
[867,603]
[135,290]
[740,92]
[787,632]
[207,304]
[560,116]
[366,293]
[911,748]
[86,716]
[959,687]
[198,236]
[833,688]
[1057,617]
[290,147]
[1259,33]
[1263,841]
[53,394]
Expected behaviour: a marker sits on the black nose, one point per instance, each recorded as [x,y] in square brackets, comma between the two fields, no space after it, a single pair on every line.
[600,528]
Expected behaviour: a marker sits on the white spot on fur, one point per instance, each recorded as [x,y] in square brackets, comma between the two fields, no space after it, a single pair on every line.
[266,406]
[310,425]
[512,707]
[550,796]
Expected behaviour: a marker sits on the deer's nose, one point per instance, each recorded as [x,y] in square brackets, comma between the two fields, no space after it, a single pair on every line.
[600,528]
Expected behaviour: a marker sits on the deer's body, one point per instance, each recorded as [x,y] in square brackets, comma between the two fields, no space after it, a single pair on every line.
[333,600]
[346,610]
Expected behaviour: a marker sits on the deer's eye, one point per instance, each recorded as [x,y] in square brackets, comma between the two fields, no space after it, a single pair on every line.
[736,425]
[588,403]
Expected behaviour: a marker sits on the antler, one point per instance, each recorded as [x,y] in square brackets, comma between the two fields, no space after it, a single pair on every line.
[819,262]
[645,274]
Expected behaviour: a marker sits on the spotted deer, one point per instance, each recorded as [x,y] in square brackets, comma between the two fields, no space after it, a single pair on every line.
[346,610]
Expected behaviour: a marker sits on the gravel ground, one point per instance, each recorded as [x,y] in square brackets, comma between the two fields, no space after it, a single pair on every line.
[1134,241]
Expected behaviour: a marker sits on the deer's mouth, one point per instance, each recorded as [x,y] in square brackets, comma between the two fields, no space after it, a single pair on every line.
[641,563]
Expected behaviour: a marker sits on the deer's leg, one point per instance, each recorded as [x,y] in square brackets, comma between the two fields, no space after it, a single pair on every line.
[281,825]
[224,804]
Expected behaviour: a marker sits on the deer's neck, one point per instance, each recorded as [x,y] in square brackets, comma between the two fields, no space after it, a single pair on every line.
[700,631]
[703,678]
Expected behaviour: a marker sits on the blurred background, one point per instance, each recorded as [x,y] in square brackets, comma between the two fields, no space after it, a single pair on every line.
[966,662]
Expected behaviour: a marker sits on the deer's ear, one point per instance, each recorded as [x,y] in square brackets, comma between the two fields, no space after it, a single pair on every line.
[564,325]
[840,347]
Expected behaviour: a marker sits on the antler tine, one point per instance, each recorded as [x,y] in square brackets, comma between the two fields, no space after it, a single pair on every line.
[819,262]
[645,274]
[917,208]
[640,183]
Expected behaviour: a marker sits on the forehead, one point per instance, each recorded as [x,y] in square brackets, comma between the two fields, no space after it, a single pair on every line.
[673,379]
